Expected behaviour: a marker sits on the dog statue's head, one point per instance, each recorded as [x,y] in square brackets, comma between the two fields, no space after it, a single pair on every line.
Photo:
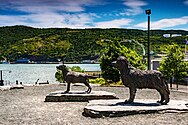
[121,61]
[62,67]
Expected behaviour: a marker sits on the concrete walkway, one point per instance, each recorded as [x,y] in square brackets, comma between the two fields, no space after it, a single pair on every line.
[179,88]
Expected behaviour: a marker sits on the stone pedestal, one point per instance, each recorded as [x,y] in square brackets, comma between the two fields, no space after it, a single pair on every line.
[3,88]
[78,96]
[17,87]
[114,108]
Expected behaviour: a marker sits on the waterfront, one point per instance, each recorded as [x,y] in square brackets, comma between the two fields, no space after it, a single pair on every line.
[29,73]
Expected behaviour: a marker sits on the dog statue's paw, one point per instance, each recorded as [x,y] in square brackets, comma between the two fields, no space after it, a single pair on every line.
[87,92]
[159,101]
[128,102]
[163,103]
[66,92]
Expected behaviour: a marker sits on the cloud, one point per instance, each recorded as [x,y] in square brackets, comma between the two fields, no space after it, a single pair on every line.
[165,23]
[118,23]
[51,20]
[186,2]
[46,20]
[134,7]
[48,13]
[13,20]
[35,6]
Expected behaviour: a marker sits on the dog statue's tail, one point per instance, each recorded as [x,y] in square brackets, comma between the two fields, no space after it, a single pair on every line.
[166,83]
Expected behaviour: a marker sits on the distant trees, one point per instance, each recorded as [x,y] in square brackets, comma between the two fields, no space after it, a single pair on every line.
[81,44]
[173,65]
[37,47]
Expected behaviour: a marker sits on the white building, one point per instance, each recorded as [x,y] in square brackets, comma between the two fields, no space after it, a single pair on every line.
[175,35]
[166,35]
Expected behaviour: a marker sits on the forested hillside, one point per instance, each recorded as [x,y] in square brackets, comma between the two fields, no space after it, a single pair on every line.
[51,44]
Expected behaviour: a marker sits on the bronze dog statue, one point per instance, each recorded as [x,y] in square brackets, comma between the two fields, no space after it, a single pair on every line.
[74,77]
[135,78]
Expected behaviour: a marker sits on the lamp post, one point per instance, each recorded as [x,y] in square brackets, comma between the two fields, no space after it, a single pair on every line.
[1,81]
[148,12]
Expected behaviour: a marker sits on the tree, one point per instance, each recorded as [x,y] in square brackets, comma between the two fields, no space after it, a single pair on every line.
[173,65]
[112,50]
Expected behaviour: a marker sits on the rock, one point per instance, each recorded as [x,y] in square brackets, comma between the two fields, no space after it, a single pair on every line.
[78,96]
[113,108]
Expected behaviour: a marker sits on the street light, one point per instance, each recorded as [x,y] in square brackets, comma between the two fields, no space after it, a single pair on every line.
[148,12]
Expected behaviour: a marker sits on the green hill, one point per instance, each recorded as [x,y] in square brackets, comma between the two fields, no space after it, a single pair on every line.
[49,44]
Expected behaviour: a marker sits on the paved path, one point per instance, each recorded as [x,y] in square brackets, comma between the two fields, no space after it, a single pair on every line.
[181,88]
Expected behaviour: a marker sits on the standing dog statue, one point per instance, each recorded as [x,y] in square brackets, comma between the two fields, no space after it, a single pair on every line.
[134,78]
[74,77]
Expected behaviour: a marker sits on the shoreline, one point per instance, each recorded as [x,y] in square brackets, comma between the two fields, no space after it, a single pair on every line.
[49,63]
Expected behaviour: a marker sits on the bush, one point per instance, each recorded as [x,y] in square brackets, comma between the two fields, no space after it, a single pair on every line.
[59,76]
[100,81]
[76,69]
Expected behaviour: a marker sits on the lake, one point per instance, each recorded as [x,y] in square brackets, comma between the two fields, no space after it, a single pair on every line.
[29,73]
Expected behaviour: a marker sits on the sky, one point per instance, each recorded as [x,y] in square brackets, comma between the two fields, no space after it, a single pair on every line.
[166,14]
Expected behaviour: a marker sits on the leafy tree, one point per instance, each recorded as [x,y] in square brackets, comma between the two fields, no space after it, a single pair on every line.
[173,66]
[112,50]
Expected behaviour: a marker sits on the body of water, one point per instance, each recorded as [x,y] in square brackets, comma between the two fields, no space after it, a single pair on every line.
[29,73]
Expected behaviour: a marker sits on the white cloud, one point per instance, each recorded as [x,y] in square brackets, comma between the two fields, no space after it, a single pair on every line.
[35,6]
[118,23]
[165,23]
[46,20]
[186,2]
[135,7]
[12,20]
[49,13]
[51,20]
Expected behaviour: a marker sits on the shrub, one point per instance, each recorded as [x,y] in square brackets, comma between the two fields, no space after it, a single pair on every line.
[100,81]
